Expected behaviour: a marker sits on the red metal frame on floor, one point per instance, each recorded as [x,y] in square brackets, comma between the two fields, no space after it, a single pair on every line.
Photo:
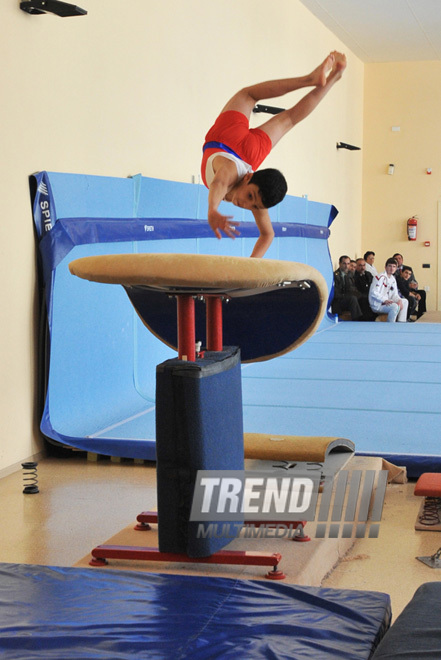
[101,553]
[146,518]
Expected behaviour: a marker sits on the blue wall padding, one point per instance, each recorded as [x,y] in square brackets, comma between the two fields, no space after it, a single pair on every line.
[70,232]
[50,613]
[100,391]
[199,426]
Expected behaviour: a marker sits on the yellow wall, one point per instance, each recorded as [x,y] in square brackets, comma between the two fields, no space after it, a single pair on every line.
[408,95]
[133,87]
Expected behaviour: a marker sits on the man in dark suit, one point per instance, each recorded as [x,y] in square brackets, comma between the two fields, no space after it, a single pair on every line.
[345,298]
[362,282]
[413,284]
[403,278]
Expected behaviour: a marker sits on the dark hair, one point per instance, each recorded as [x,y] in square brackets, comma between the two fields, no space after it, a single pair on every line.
[272,186]
[403,268]
[393,261]
[366,254]
[397,254]
[343,256]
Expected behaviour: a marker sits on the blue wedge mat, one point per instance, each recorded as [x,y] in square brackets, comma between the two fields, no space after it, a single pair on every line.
[377,384]
[49,613]
[99,385]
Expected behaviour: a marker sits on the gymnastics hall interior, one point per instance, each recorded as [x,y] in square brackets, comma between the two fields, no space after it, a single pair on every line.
[97,399]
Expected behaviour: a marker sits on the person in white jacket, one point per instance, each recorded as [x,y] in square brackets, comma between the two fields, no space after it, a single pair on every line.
[384,297]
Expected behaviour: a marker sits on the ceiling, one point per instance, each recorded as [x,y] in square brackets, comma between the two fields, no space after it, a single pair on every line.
[384,30]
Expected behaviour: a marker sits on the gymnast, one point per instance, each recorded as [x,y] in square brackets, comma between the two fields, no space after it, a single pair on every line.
[232,151]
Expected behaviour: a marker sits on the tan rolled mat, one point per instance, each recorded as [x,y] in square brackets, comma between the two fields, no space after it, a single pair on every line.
[308,449]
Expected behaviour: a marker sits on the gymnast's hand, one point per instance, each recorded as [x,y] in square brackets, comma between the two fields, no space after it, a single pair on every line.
[218,222]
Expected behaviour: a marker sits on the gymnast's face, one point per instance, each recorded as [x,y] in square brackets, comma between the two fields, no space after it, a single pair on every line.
[247,196]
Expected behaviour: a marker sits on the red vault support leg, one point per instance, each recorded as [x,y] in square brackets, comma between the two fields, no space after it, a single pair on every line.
[214,323]
[186,328]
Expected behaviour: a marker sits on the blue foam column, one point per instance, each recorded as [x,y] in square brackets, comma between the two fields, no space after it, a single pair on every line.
[198,427]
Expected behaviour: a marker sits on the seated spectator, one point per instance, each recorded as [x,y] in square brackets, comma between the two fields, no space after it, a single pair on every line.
[412,297]
[352,265]
[399,259]
[345,299]
[384,297]
[413,284]
[369,258]
[362,282]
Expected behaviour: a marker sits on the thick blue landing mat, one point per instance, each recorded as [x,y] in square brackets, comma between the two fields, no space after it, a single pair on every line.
[378,384]
[49,613]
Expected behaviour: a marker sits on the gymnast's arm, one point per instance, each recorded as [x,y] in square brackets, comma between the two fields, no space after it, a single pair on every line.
[266,231]
[224,178]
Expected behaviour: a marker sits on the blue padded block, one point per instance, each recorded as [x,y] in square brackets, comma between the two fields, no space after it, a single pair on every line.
[198,427]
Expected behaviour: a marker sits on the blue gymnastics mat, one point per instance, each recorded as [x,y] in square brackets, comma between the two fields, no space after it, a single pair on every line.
[97,358]
[377,384]
[53,613]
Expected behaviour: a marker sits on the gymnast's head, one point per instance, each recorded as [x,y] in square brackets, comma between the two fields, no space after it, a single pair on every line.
[259,190]
[271,184]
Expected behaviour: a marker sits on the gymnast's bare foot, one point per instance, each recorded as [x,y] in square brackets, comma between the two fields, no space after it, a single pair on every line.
[338,67]
[320,74]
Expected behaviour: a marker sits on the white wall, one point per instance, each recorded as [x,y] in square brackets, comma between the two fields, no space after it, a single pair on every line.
[133,87]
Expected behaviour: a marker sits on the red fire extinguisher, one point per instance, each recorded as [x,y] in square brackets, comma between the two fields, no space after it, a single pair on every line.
[412,225]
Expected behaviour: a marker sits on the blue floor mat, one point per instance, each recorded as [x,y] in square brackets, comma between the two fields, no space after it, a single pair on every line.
[377,384]
[53,613]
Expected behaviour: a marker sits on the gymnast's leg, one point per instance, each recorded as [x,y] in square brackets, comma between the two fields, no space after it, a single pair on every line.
[245,100]
[321,79]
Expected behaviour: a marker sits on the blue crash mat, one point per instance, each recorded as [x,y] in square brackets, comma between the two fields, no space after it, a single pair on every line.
[95,355]
[49,613]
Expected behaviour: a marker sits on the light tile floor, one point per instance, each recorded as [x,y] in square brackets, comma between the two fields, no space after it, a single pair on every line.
[82,504]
